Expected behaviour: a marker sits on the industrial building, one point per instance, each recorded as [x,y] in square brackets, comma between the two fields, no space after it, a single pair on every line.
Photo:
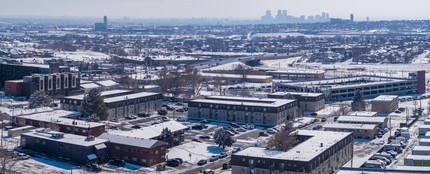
[320,152]
[257,111]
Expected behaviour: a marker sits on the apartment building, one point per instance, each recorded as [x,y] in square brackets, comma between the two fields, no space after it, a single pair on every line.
[368,131]
[382,122]
[385,103]
[257,111]
[319,152]
[307,101]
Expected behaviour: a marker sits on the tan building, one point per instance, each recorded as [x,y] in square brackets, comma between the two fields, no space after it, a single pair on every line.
[307,101]
[319,152]
[380,121]
[385,103]
[237,78]
[257,111]
[368,131]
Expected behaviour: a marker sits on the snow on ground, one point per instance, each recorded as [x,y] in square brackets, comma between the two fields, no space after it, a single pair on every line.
[82,56]
[279,64]
[227,66]
[197,150]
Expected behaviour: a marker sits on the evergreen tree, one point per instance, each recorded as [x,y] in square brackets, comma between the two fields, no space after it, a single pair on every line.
[358,103]
[223,138]
[167,136]
[39,99]
[94,106]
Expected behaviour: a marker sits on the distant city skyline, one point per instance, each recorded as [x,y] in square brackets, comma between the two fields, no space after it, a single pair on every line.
[236,9]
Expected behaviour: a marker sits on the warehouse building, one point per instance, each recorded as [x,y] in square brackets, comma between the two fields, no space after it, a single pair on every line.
[257,111]
[297,75]
[307,101]
[321,152]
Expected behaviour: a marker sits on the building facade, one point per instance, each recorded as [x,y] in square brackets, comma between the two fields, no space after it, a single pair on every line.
[263,112]
[144,152]
[319,152]
[66,146]
[367,131]
[385,103]
[307,101]
[18,70]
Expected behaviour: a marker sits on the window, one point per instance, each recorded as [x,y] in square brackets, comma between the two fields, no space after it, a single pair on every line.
[49,84]
[125,157]
[143,160]
[41,85]
[58,82]
[117,148]
[156,152]
[134,159]
[66,83]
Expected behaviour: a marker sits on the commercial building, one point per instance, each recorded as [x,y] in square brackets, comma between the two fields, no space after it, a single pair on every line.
[102,26]
[237,78]
[363,114]
[18,70]
[69,147]
[140,151]
[380,121]
[424,142]
[257,111]
[368,131]
[57,120]
[421,150]
[297,75]
[417,160]
[307,101]
[55,84]
[385,103]
[321,152]
[154,131]
[341,89]
[423,129]
[120,103]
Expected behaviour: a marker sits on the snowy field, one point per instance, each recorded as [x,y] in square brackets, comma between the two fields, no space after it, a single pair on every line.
[87,56]
[197,150]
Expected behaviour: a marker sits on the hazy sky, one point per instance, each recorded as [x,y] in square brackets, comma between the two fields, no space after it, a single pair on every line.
[239,9]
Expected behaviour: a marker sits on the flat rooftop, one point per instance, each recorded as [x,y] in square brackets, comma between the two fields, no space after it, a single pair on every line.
[131,141]
[418,157]
[339,83]
[151,131]
[58,117]
[103,93]
[350,126]
[363,114]
[304,151]
[304,94]
[129,96]
[67,139]
[235,76]
[246,101]
[362,119]
[385,98]
[421,148]
[299,72]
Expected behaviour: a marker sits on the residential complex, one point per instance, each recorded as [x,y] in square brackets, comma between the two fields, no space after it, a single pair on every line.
[263,112]
[385,103]
[320,152]
[367,131]
[307,101]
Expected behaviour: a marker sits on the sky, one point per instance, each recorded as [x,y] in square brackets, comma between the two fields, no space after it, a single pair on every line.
[233,9]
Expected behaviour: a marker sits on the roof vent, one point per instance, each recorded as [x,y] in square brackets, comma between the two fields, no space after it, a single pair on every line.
[322,144]
[57,135]
[90,138]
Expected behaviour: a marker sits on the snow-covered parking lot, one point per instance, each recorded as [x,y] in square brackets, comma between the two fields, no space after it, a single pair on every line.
[192,152]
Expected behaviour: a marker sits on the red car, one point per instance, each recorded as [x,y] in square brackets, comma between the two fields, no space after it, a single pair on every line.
[263,134]
[197,140]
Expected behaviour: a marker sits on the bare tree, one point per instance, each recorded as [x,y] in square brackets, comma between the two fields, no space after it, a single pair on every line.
[283,140]
[243,70]
[7,161]
[344,109]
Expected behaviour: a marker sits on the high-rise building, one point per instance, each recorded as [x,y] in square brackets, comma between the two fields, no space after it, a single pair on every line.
[367,19]
[105,21]
[102,26]
[351,17]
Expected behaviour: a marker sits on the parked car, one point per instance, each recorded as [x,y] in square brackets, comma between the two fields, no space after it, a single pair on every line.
[323,119]
[270,131]
[263,134]
[204,121]
[136,127]
[162,112]
[170,108]
[314,114]
[335,118]
[23,156]
[93,167]
[173,163]
[165,118]
[222,155]
[143,115]
[181,119]
[208,171]
[180,110]
[213,158]
[180,160]
[205,137]
[202,162]
[197,140]
[317,127]
[129,117]
[117,162]
[235,149]
[226,165]
[241,130]
[235,125]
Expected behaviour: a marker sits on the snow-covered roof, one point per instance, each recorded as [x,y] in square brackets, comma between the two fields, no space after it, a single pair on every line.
[107,83]
[129,96]
[384,98]
[89,85]
[362,119]
[350,126]
[23,111]
[103,93]
[58,117]
[421,148]
[319,142]
[363,113]
[417,157]
[151,131]
[131,141]
[304,94]
[67,138]
[246,101]
[304,72]
[238,76]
